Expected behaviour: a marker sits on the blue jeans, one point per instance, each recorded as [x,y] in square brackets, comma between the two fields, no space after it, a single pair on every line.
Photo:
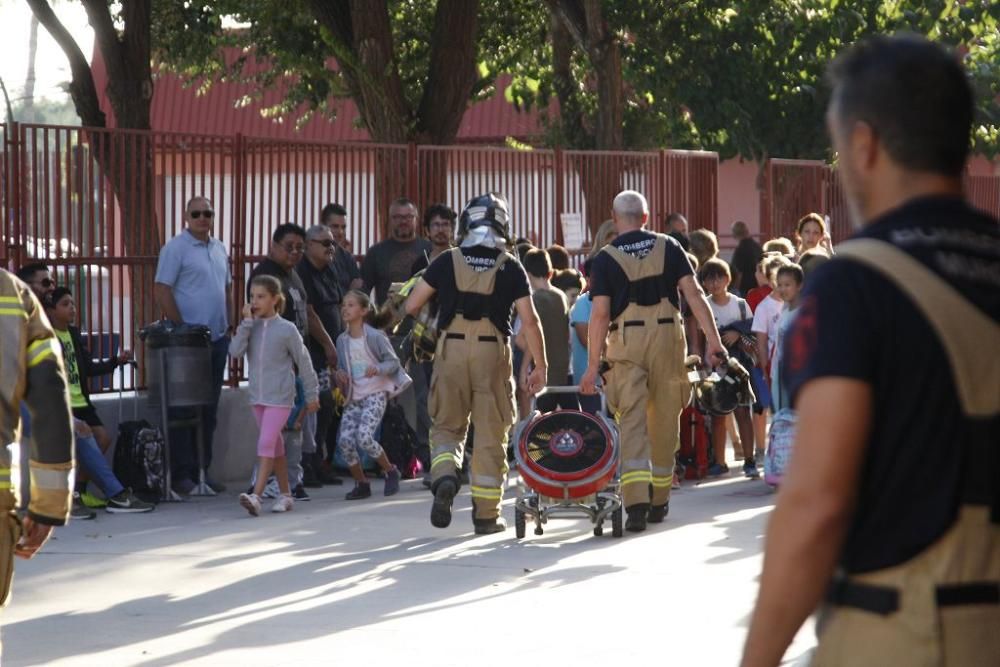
[183,443]
[91,460]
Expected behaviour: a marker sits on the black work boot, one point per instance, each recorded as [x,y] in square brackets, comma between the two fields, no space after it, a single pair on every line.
[444,493]
[489,526]
[636,521]
[657,513]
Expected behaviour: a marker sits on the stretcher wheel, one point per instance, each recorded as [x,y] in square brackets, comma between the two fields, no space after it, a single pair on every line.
[617,527]
[598,530]
[519,527]
[538,530]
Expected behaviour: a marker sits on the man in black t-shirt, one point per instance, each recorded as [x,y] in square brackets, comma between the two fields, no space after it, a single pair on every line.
[634,295]
[334,216]
[390,261]
[476,285]
[891,507]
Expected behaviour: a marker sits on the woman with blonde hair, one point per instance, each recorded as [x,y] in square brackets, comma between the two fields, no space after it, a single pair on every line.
[605,234]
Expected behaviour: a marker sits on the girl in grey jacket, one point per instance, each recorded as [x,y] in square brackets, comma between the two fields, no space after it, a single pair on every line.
[370,374]
[274,349]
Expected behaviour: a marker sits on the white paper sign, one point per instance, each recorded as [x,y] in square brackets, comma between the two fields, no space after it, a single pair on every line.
[572,226]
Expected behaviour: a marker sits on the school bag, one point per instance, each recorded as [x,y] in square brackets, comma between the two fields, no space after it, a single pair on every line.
[693,453]
[779,446]
[398,440]
[139,448]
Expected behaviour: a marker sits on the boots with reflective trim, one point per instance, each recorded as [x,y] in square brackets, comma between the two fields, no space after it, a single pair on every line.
[636,522]
[489,526]
[444,494]
[657,513]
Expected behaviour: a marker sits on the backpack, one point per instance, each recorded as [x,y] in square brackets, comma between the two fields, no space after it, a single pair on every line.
[693,453]
[138,461]
[779,446]
[398,440]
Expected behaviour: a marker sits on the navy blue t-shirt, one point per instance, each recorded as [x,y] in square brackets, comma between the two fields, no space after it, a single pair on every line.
[511,284]
[607,278]
[854,323]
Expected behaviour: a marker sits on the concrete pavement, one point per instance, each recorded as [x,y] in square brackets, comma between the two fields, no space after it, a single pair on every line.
[371,582]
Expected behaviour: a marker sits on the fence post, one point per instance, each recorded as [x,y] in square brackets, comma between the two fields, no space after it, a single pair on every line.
[559,176]
[765,200]
[237,245]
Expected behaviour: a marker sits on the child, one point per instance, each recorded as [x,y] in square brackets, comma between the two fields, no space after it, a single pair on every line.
[92,440]
[274,349]
[373,375]
[789,285]
[766,311]
[553,315]
[728,310]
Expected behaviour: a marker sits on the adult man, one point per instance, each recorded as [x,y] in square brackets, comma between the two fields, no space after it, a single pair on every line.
[892,369]
[634,285]
[193,285]
[439,226]
[37,276]
[324,293]
[746,257]
[334,216]
[288,244]
[390,261]
[31,371]
[476,285]
[677,227]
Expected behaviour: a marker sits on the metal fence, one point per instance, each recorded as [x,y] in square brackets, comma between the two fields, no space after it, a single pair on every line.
[96,205]
[793,188]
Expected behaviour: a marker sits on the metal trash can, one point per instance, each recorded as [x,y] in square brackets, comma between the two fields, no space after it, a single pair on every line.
[184,354]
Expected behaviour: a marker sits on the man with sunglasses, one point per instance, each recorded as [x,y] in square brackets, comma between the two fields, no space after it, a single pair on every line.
[324,292]
[193,285]
[39,279]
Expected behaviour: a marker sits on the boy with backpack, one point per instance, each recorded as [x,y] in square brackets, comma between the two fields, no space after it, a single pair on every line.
[732,315]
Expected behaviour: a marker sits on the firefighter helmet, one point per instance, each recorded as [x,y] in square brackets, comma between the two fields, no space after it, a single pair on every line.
[491,210]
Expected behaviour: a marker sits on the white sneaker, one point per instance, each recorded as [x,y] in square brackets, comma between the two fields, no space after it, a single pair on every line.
[283,504]
[271,490]
[250,502]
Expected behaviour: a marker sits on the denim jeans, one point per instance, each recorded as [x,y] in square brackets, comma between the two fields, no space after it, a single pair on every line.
[183,443]
[91,460]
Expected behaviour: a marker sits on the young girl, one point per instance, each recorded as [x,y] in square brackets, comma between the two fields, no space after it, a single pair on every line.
[274,349]
[728,310]
[812,234]
[369,375]
[789,286]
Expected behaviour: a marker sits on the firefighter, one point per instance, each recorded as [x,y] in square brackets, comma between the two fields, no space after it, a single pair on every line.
[476,284]
[888,520]
[31,371]
[634,295]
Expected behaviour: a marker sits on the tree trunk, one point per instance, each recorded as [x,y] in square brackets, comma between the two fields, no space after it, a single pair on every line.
[28,108]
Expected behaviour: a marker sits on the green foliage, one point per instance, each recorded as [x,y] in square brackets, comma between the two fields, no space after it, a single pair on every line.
[741,77]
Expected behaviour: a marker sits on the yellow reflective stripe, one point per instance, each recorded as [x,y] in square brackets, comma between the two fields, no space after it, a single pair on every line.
[444,458]
[636,476]
[39,351]
[6,486]
[10,299]
[14,311]
[663,481]
[485,492]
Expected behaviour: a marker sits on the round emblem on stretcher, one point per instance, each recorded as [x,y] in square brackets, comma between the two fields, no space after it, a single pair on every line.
[566,443]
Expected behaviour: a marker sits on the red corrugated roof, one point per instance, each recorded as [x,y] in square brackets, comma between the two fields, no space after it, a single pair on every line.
[177,108]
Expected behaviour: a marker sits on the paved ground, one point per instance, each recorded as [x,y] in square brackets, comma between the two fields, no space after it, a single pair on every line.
[372,583]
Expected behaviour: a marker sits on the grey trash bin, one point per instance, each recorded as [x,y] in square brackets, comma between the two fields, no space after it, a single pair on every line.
[184,353]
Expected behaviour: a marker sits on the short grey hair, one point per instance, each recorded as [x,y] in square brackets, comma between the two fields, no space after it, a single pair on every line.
[630,204]
[316,231]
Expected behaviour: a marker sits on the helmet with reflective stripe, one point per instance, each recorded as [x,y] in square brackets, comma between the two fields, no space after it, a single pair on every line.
[491,210]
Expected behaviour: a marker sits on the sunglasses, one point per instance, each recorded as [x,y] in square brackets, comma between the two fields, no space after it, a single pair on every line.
[47,283]
[197,214]
[326,244]
[292,249]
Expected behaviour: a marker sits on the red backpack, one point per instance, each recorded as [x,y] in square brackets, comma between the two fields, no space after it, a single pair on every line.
[693,454]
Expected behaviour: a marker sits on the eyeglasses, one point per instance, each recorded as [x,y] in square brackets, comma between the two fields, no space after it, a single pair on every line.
[327,243]
[47,283]
[442,225]
[293,249]
[197,214]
